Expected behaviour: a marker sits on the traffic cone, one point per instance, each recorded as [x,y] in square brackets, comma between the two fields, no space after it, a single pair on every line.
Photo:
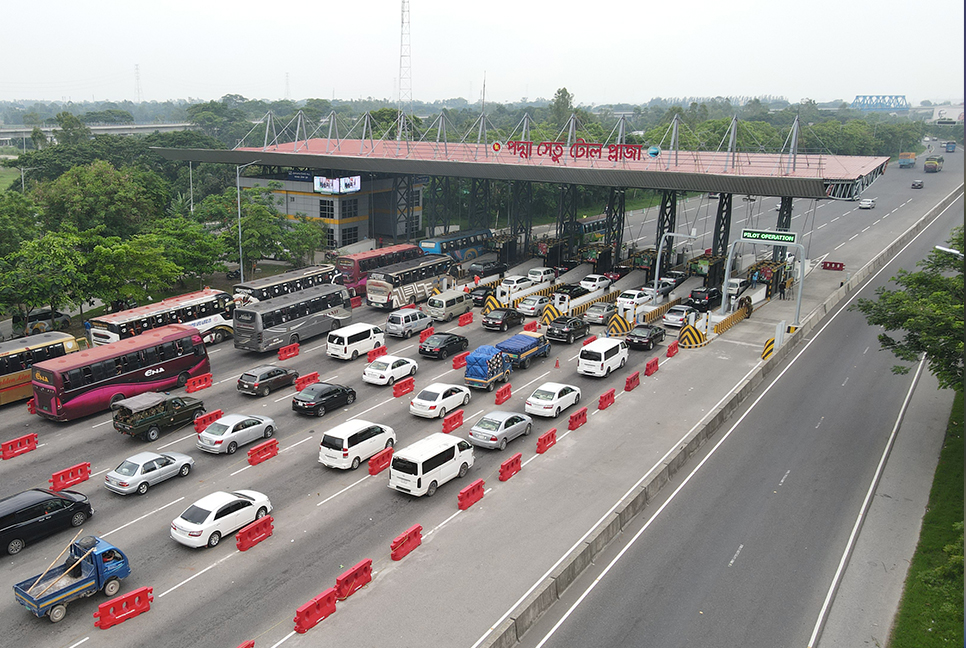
[557,364]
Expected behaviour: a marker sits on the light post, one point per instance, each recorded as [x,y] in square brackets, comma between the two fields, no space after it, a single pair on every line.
[241,261]
[23,185]
[949,251]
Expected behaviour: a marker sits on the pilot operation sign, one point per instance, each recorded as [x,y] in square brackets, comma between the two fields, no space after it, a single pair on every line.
[768,236]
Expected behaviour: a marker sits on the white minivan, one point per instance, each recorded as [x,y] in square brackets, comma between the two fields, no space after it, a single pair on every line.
[540,275]
[600,357]
[350,443]
[349,342]
[429,463]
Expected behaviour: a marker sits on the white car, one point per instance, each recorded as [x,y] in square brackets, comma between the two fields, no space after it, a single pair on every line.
[632,298]
[549,399]
[214,516]
[867,203]
[595,282]
[438,399]
[516,282]
[533,305]
[387,369]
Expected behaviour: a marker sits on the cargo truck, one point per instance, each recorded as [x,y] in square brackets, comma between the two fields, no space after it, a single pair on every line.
[487,366]
[907,160]
[522,348]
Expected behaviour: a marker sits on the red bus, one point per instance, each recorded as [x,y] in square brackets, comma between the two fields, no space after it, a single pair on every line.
[355,267]
[86,382]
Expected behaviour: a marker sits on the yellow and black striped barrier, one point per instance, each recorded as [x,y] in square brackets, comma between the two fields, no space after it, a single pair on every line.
[550,313]
[791,329]
[580,310]
[769,349]
[691,338]
[730,321]
[490,303]
[545,292]
[618,326]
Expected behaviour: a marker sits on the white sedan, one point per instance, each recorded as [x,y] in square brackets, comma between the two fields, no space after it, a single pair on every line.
[595,282]
[387,369]
[437,399]
[214,516]
[632,298]
[549,399]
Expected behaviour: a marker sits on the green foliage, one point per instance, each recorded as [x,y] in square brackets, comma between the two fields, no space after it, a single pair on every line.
[111,116]
[561,107]
[189,246]
[72,130]
[18,221]
[134,268]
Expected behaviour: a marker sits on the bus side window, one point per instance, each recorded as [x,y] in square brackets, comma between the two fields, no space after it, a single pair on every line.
[65,377]
[88,375]
[168,350]
[150,357]
[76,378]
[118,366]
[56,350]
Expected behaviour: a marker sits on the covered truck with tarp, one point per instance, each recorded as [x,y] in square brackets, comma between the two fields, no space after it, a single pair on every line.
[524,347]
[146,415]
[487,366]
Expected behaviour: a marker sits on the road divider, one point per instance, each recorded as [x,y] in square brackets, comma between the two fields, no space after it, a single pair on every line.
[403,386]
[309,615]
[424,335]
[511,466]
[577,419]
[470,495]
[588,340]
[354,579]
[380,461]
[70,476]
[672,349]
[404,543]
[651,367]
[459,360]
[304,381]
[503,394]
[375,353]
[465,319]
[20,445]
[606,399]
[546,440]
[205,420]
[120,609]
[263,451]
[452,421]
[288,351]
[250,535]
[632,381]
[198,383]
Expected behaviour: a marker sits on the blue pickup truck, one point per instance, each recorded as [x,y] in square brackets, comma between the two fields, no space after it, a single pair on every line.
[522,348]
[487,366]
[92,565]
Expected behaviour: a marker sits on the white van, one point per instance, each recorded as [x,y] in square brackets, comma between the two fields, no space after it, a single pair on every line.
[540,275]
[429,463]
[347,343]
[600,357]
[447,305]
[350,443]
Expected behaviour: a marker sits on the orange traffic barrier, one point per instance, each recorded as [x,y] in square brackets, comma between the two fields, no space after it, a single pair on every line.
[409,306]
[651,367]
[205,420]
[511,466]
[15,447]
[588,340]
[530,326]
[309,615]
[632,381]
[424,335]
[304,381]
[380,461]
[70,476]
[606,399]
[403,386]
[248,644]
[250,535]
[261,452]
[470,495]
[355,302]
[452,421]
[459,360]
[288,351]
[406,542]
[120,609]
[32,406]
[352,580]
[672,349]
[577,419]
[466,318]
[546,440]
[503,394]
[375,353]
[197,383]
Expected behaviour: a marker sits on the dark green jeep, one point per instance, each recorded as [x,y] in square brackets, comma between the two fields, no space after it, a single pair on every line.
[146,415]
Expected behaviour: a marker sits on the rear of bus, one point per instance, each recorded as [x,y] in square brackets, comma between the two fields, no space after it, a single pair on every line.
[248,330]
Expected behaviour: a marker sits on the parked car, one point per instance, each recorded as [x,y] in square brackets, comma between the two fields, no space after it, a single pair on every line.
[867,203]
[664,286]
[516,282]
[571,290]
[406,321]
[387,369]
[677,316]
[480,293]
[595,282]
[551,398]
[265,379]
[540,275]
[487,268]
[496,429]
[917,184]
[319,398]
[633,298]
[533,305]
[233,430]
[205,522]
[442,345]
[645,336]
[599,313]
[145,469]
[567,328]
[438,399]
[704,299]
[37,513]
[500,319]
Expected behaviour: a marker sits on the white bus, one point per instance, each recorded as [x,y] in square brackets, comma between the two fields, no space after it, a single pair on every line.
[252,292]
[209,311]
[292,318]
[407,282]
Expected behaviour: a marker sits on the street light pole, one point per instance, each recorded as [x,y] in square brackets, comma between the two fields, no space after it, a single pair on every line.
[949,250]
[241,261]
[23,185]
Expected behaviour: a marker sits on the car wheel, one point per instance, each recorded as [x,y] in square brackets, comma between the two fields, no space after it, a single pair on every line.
[606,375]
[152,434]
[650,345]
[389,443]
[465,345]
[489,387]
[412,371]
[265,391]
[466,399]
[442,412]
[556,412]
[78,519]
[293,340]
[503,444]
[577,400]
[570,338]
[449,317]
[185,469]
[183,379]
[623,360]
[143,488]
[350,399]
[269,431]
[15,546]
[408,334]
[431,489]
[463,470]
[526,363]
[112,587]
[219,337]
[198,414]
[57,613]
[528,430]
[262,512]
[214,539]
[391,381]
[355,463]
[355,354]
[320,411]
[443,355]
[232,447]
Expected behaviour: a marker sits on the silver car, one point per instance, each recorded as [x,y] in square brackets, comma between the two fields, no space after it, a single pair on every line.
[600,313]
[233,430]
[533,305]
[496,429]
[145,469]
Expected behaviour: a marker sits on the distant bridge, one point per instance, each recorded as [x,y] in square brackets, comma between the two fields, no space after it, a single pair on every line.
[880,103]
[8,134]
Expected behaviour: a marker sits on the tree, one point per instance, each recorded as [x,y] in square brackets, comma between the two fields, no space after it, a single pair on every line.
[131,269]
[72,130]
[303,239]
[561,107]
[190,246]
[18,221]
[928,311]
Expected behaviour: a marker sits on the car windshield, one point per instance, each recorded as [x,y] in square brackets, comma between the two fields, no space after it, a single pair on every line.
[312,391]
[497,314]
[628,295]
[529,301]
[379,365]
[249,377]
[195,514]
[427,395]
[127,469]
[642,331]
[593,356]
[598,308]
[435,340]
[395,319]
[216,429]
[331,442]
[543,395]
[489,425]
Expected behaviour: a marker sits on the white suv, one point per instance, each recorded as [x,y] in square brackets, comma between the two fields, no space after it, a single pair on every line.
[517,282]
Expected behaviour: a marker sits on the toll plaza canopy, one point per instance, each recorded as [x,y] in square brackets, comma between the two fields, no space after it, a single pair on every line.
[581,163]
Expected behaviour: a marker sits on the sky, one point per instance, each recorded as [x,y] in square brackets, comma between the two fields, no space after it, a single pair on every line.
[607,51]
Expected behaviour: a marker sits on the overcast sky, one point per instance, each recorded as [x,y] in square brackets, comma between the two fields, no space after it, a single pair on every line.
[605,51]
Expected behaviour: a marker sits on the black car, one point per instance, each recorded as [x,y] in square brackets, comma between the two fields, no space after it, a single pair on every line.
[917,184]
[704,299]
[567,329]
[480,293]
[487,268]
[645,336]
[571,290]
[500,319]
[441,345]
[38,513]
[319,398]
[264,379]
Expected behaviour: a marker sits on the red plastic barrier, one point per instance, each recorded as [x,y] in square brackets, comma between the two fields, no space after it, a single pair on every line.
[672,349]
[304,381]
[353,580]
[651,367]
[470,495]
[375,353]
[261,452]
[288,351]
[380,461]
[197,383]
[426,333]
[70,476]
[248,644]
[309,615]
[577,419]
[205,420]
[250,535]
[32,406]
[588,340]
[18,446]
[120,609]
[466,318]
[530,326]
[832,265]
[406,542]
[409,306]
[632,381]
[404,386]
[606,399]
[511,466]
[503,394]
[547,440]
[355,302]
[459,360]
[452,421]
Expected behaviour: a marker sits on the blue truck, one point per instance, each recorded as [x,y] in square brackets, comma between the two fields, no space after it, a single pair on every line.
[522,348]
[91,566]
[485,367]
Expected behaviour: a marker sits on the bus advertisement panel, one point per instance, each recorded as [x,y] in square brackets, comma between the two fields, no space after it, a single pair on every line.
[207,310]
[86,382]
[252,292]
[355,268]
[18,356]
[462,246]
[407,282]
[293,318]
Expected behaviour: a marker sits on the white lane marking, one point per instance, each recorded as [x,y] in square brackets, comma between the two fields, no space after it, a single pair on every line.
[838,246]
[79,642]
[295,444]
[535,380]
[279,400]
[240,470]
[822,225]
[388,400]
[100,424]
[395,351]
[104,535]
[864,229]
[853,236]
[866,350]
[213,351]
[100,472]
[343,490]
[316,348]
[819,423]
[874,223]
[440,525]
[846,380]
[177,440]
[475,415]
[330,379]
[735,557]
[784,477]
[284,639]
[225,380]
[191,578]
[835,219]
[443,374]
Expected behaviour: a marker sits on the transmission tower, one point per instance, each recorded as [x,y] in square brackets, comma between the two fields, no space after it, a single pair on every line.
[405,99]
[137,81]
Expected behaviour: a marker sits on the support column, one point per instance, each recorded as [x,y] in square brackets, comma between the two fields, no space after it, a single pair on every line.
[667,221]
[614,235]
[405,219]
[722,226]
[479,208]
[521,213]
[779,252]
[567,217]
[438,207]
